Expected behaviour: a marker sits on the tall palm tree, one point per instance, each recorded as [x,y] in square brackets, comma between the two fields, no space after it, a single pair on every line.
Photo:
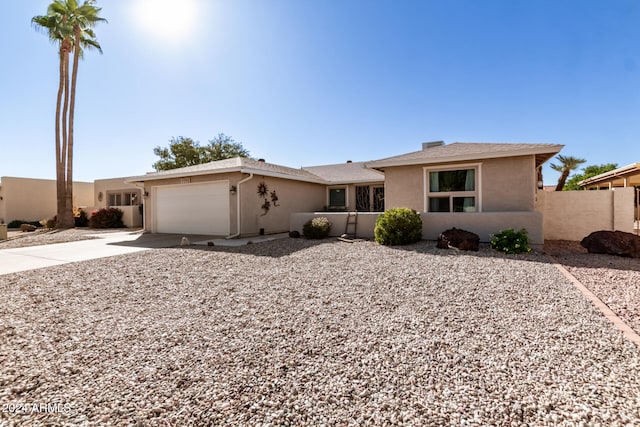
[69,26]
[567,165]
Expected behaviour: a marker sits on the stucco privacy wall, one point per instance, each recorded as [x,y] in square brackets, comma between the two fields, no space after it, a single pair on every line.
[35,199]
[573,215]
[293,196]
[366,222]
[507,184]
[483,224]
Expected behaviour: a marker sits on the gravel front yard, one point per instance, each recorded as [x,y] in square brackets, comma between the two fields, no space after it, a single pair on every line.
[305,333]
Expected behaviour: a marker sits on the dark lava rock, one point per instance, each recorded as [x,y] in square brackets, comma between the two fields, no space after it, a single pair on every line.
[294,234]
[612,243]
[460,239]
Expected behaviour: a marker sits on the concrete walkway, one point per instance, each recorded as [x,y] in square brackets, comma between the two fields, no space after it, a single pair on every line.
[105,245]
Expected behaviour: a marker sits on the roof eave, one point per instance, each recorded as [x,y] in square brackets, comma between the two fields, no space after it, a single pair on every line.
[467,157]
[611,174]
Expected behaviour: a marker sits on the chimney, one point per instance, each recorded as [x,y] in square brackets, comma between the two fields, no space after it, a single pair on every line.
[433,144]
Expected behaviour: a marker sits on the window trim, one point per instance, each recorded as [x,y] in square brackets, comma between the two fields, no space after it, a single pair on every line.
[451,167]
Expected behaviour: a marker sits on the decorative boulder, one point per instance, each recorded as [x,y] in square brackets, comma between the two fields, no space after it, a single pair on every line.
[28,227]
[612,243]
[459,239]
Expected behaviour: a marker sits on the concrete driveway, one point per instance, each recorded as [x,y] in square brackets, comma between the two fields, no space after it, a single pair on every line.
[104,245]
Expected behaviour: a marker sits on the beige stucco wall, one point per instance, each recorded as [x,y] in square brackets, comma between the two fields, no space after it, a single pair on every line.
[293,196]
[573,215]
[35,199]
[365,226]
[507,184]
[483,224]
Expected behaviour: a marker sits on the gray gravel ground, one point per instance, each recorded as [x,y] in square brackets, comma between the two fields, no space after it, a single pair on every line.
[293,332]
[615,280]
[45,237]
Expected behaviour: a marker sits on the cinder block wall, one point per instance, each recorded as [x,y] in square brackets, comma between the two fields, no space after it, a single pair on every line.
[573,215]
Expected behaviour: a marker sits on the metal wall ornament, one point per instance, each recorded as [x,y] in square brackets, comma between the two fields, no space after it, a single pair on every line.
[262,189]
[263,192]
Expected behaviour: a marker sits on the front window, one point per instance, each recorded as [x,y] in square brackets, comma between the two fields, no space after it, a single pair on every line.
[124,198]
[337,198]
[452,190]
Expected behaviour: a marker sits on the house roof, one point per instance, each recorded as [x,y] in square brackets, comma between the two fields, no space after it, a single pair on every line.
[463,151]
[617,176]
[236,164]
[346,173]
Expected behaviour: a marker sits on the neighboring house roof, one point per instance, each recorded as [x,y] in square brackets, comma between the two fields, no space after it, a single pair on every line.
[236,164]
[617,176]
[346,173]
[464,151]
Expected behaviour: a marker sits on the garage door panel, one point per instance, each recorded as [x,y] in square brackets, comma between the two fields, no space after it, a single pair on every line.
[193,208]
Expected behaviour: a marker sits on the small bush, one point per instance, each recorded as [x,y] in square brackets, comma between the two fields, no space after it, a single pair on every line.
[16,223]
[510,241]
[107,218]
[398,226]
[316,228]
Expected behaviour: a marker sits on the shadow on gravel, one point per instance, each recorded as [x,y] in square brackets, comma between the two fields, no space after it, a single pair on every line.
[584,260]
[598,261]
[273,249]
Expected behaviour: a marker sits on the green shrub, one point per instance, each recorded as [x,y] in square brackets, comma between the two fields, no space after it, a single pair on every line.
[510,241]
[398,226]
[316,228]
[16,223]
[106,218]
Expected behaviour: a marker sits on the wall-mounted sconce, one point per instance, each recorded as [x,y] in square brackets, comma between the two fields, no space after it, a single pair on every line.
[146,194]
[233,189]
[540,185]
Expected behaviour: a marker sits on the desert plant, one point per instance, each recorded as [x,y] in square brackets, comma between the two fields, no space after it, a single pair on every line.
[107,218]
[316,228]
[510,241]
[398,226]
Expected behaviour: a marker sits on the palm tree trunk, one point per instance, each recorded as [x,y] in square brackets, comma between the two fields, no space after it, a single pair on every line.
[72,106]
[65,218]
[59,170]
[562,181]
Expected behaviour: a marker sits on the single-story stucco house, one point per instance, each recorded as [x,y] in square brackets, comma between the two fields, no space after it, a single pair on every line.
[243,196]
[482,187]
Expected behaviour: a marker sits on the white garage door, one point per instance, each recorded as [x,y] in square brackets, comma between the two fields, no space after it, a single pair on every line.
[193,208]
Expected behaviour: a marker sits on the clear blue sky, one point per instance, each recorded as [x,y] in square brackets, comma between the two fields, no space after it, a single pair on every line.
[312,82]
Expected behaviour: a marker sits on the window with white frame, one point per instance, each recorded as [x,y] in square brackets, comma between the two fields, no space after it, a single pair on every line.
[124,198]
[452,189]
